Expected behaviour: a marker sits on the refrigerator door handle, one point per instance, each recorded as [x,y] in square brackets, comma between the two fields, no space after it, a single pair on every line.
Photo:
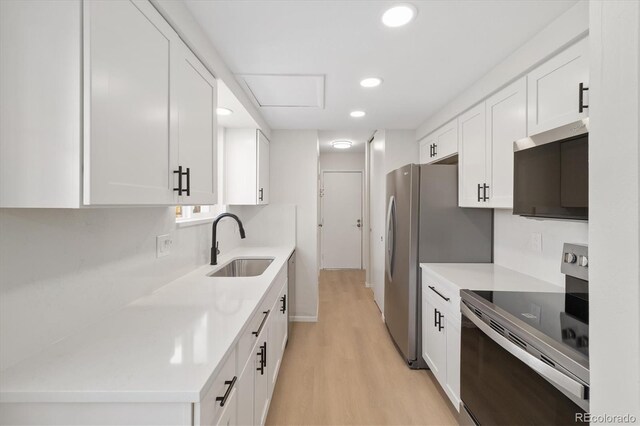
[391,231]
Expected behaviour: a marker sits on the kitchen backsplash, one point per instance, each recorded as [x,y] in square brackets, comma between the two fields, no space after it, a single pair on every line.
[515,245]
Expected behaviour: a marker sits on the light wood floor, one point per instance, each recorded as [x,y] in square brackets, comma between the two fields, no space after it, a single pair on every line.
[344,369]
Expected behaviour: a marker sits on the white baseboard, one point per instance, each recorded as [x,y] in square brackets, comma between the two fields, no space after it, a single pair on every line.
[305,318]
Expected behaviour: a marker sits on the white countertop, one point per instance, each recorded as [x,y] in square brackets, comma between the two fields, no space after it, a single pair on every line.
[163,347]
[488,276]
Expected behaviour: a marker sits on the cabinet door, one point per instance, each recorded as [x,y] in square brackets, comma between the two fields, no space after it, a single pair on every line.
[245,392]
[472,157]
[453,360]
[447,140]
[240,166]
[127,150]
[554,89]
[506,123]
[434,343]
[261,382]
[194,127]
[229,416]
[263,168]
[277,337]
[425,150]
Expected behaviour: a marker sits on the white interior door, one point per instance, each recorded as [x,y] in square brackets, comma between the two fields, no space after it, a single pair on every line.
[342,220]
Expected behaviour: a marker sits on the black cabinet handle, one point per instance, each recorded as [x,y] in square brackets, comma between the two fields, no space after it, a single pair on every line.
[223,399]
[438,293]
[261,194]
[485,197]
[283,308]
[440,325]
[179,173]
[257,332]
[188,174]
[181,188]
[263,356]
[435,149]
[581,90]
[435,317]
[479,189]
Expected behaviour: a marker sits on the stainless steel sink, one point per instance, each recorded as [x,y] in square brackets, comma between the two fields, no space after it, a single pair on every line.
[243,268]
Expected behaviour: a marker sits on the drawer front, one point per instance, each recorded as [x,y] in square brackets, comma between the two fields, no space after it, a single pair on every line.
[210,409]
[443,296]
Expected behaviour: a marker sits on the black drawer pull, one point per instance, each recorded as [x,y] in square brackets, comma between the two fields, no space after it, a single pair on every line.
[188,174]
[438,293]
[257,332]
[479,196]
[440,325]
[283,308]
[223,399]
[485,197]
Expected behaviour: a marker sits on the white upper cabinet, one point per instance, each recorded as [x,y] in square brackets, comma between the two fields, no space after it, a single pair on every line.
[555,93]
[473,156]
[487,133]
[194,126]
[440,144]
[127,140]
[120,105]
[263,169]
[246,167]
[40,111]
[506,122]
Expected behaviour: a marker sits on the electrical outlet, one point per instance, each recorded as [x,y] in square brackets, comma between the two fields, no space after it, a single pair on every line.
[535,242]
[163,245]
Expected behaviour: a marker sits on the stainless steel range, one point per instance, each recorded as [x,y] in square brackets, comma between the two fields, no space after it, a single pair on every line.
[525,355]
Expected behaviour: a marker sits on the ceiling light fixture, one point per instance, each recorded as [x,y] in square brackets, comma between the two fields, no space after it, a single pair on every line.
[371,82]
[399,15]
[357,114]
[342,144]
[223,111]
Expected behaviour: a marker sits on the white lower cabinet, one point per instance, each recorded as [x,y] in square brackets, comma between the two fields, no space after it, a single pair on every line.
[441,335]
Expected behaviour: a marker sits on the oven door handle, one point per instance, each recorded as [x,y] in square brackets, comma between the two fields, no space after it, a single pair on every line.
[574,387]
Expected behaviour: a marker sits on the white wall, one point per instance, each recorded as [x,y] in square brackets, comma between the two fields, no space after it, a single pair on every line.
[63,269]
[513,249]
[566,29]
[614,214]
[377,214]
[389,150]
[294,174]
[342,161]
[400,149]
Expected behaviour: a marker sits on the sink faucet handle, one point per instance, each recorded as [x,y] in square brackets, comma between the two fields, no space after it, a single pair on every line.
[217,247]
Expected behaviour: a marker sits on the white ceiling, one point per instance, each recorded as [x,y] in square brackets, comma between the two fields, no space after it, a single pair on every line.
[424,65]
[359,139]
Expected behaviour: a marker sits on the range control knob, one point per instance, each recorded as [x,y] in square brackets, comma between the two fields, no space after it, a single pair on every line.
[570,258]
[583,261]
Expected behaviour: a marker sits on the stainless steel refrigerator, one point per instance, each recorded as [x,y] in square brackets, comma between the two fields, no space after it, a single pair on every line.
[425,224]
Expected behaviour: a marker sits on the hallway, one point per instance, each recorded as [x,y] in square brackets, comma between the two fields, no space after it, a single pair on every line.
[344,369]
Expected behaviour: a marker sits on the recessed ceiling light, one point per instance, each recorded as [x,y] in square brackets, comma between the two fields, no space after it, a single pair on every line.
[399,15]
[223,111]
[371,82]
[342,144]
[357,114]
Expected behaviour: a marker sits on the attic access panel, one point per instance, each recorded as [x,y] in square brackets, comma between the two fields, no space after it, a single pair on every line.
[298,91]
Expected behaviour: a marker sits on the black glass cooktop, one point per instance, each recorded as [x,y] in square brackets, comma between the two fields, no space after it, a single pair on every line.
[563,317]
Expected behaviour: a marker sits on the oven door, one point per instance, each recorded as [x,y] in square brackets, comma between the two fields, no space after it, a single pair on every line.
[501,385]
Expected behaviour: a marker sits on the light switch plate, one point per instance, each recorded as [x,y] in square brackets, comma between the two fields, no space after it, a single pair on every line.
[163,245]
